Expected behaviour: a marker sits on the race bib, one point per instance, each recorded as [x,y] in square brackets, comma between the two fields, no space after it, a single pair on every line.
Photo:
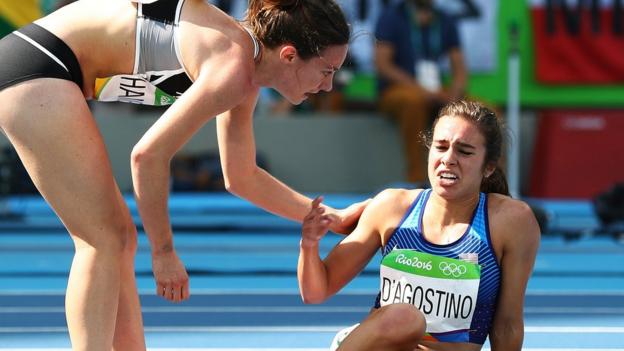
[444,289]
[136,89]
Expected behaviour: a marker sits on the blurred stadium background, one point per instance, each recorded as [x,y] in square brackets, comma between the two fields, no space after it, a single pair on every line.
[569,94]
[553,67]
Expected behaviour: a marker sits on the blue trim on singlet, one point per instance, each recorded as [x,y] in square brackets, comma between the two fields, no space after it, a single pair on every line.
[476,239]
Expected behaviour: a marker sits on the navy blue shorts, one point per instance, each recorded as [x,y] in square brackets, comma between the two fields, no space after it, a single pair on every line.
[32,52]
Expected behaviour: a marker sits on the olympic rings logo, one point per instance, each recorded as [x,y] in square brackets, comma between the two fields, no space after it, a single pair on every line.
[453,269]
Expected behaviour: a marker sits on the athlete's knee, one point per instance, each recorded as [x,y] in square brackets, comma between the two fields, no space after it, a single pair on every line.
[401,324]
[110,237]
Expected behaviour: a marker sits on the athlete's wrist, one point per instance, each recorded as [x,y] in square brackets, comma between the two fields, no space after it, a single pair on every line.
[308,244]
[162,249]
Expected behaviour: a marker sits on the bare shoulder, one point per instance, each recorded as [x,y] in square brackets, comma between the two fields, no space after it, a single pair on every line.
[505,206]
[394,198]
[388,208]
[214,44]
[511,220]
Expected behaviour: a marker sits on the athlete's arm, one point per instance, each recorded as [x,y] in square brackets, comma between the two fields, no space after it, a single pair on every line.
[515,223]
[321,279]
[213,91]
[244,178]
[242,175]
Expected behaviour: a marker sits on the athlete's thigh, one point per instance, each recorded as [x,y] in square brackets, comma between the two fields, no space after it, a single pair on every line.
[54,133]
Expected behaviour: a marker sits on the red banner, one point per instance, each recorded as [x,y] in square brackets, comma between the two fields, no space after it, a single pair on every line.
[580,43]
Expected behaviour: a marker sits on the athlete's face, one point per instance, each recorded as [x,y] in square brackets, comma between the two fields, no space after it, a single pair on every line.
[456,158]
[307,77]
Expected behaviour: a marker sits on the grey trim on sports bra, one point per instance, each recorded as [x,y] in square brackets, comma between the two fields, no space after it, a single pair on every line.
[255,42]
[157,50]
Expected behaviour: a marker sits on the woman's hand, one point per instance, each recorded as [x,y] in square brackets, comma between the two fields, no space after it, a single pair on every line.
[172,281]
[344,221]
[315,224]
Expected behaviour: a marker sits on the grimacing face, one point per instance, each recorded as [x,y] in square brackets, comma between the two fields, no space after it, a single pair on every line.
[456,158]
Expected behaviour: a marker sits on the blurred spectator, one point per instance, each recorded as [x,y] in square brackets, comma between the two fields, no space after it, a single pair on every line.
[413,38]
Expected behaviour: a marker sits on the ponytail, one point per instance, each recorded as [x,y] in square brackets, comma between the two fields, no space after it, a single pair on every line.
[495,183]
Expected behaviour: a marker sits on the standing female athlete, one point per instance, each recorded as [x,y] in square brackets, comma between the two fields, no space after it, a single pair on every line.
[456,257]
[153,52]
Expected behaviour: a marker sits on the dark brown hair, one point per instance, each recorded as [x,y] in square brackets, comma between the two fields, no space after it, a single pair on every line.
[493,131]
[309,25]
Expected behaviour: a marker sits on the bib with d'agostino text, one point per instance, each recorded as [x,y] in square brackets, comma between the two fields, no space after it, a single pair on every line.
[444,289]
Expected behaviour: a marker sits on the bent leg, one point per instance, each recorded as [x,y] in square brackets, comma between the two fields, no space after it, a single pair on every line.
[57,139]
[395,327]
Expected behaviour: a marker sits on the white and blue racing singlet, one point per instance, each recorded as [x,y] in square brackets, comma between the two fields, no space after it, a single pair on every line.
[455,286]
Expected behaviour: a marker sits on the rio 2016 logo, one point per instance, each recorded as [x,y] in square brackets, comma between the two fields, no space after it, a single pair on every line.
[413,262]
